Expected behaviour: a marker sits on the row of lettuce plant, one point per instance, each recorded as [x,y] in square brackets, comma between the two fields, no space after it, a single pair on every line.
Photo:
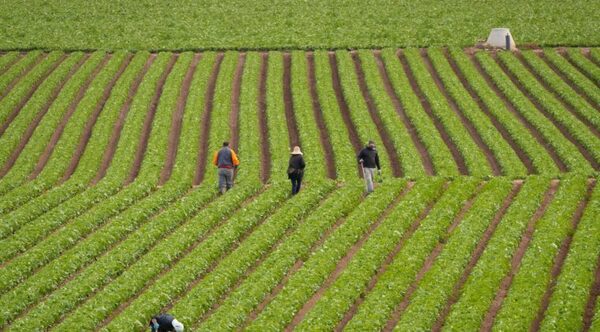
[8,60]
[16,73]
[585,66]
[580,80]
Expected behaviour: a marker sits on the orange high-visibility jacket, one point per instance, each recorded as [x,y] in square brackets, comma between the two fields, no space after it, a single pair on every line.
[234,159]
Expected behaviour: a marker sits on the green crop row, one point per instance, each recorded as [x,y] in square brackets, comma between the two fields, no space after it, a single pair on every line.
[347,288]
[580,80]
[9,59]
[585,66]
[303,284]
[18,71]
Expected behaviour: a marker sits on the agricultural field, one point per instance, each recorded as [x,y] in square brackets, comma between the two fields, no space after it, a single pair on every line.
[486,217]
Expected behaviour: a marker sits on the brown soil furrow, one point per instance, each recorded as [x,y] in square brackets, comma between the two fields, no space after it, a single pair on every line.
[17,79]
[515,264]
[590,307]
[183,254]
[318,114]
[10,64]
[343,263]
[499,127]
[458,158]
[265,164]
[38,118]
[512,109]
[418,143]
[89,126]
[489,155]
[176,121]
[487,235]
[386,263]
[566,105]
[428,264]
[236,87]
[562,51]
[30,93]
[344,108]
[564,131]
[147,127]
[65,119]
[560,257]
[568,81]
[116,133]
[206,119]
[288,100]
[374,112]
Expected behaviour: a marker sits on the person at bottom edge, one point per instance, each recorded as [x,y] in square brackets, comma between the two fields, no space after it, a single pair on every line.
[226,161]
[165,323]
[296,169]
[369,160]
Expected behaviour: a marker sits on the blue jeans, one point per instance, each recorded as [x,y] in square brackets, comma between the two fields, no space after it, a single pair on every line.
[225,179]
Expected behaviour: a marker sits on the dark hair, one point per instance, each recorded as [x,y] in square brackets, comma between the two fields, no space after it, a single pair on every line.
[225,143]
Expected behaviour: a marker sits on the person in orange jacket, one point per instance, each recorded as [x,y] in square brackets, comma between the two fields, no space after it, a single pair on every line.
[226,161]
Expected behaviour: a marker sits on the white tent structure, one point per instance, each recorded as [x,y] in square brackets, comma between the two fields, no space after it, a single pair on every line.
[501,38]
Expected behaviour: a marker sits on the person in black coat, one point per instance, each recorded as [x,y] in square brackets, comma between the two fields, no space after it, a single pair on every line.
[296,169]
[369,160]
[165,323]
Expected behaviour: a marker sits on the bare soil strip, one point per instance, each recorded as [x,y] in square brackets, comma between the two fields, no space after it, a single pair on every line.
[176,121]
[564,131]
[374,112]
[515,264]
[423,153]
[397,314]
[567,80]
[234,118]
[512,109]
[10,64]
[116,133]
[344,108]
[590,307]
[343,263]
[89,126]
[30,93]
[566,105]
[147,128]
[65,119]
[489,155]
[17,79]
[386,263]
[206,119]
[560,257]
[562,51]
[288,101]
[458,158]
[517,185]
[36,121]
[265,164]
[318,113]
[501,129]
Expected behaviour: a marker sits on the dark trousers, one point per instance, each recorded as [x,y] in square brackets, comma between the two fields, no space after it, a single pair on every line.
[296,182]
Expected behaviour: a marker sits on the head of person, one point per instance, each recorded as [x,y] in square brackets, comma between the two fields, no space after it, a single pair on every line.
[371,145]
[177,325]
[225,143]
[296,151]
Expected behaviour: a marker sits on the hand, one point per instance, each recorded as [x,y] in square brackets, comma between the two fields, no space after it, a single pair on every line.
[360,161]
[379,171]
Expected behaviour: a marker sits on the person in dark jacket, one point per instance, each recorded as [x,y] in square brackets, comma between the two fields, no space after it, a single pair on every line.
[296,169]
[226,160]
[369,160]
[165,323]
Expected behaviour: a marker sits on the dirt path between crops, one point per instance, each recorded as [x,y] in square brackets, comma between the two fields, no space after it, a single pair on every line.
[22,75]
[388,260]
[65,119]
[176,121]
[525,159]
[30,93]
[458,158]
[590,307]
[344,261]
[147,127]
[475,136]
[512,109]
[428,264]
[11,63]
[344,108]
[236,87]
[562,128]
[265,163]
[206,120]
[89,126]
[397,170]
[288,100]
[410,127]
[116,133]
[515,263]
[565,104]
[481,245]
[38,118]
[318,114]
[560,258]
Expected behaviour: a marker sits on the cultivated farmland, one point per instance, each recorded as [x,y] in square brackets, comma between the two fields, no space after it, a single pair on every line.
[486,217]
